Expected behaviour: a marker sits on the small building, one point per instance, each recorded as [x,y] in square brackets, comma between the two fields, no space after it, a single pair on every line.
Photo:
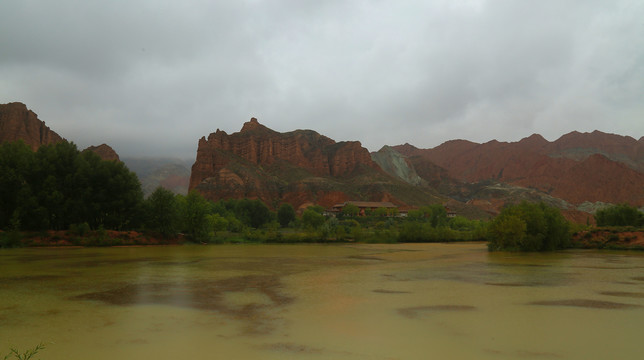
[363,207]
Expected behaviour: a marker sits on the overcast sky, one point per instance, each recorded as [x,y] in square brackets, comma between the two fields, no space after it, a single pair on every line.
[152,77]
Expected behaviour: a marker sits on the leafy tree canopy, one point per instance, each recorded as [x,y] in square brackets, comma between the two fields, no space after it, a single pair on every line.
[619,215]
[529,227]
[285,214]
[58,185]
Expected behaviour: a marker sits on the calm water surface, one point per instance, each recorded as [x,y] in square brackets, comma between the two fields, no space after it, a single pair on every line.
[409,301]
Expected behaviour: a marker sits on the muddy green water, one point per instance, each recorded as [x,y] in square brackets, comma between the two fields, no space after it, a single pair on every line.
[415,301]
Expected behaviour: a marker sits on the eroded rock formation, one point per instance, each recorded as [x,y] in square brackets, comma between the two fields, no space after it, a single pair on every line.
[301,167]
[19,123]
[105,152]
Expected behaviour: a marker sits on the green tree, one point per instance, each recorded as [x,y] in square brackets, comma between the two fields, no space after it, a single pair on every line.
[529,227]
[317,208]
[437,215]
[350,210]
[114,193]
[312,219]
[162,212]
[218,222]
[461,223]
[194,214]
[253,213]
[381,212]
[411,231]
[285,214]
[415,214]
[619,215]
[506,232]
[16,166]
[58,186]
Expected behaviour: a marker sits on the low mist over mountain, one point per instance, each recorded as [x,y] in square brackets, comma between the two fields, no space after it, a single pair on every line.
[169,173]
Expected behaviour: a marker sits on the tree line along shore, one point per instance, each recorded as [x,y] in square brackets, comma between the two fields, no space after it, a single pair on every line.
[60,196]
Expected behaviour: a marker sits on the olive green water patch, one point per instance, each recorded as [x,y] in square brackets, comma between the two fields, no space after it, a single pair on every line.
[291,348]
[385,291]
[514,284]
[627,282]
[57,256]
[623,294]
[116,261]
[519,265]
[248,298]
[28,279]
[177,263]
[365,257]
[586,303]
[524,354]
[416,311]
[638,278]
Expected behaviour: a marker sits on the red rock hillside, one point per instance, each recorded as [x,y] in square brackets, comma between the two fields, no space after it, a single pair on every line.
[577,167]
[300,167]
[105,152]
[17,122]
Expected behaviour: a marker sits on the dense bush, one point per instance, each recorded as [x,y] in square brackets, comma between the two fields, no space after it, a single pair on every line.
[285,214]
[619,215]
[529,227]
[312,219]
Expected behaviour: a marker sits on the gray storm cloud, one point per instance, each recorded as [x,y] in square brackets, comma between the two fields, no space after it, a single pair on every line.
[151,78]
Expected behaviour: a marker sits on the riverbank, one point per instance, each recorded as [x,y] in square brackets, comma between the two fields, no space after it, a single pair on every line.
[64,238]
[598,238]
[609,238]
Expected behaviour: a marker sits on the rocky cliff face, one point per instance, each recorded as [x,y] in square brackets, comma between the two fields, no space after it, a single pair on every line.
[105,152]
[301,167]
[397,164]
[18,122]
[259,145]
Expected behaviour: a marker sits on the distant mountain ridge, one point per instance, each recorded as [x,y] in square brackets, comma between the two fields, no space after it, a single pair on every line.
[577,167]
[578,173]
[168,173]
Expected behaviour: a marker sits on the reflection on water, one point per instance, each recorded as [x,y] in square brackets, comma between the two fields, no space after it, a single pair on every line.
[403,301]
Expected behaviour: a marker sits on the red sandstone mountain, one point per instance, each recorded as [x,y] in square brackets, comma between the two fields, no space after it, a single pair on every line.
[301,167]
[576,168]
[18,122]
[105,152]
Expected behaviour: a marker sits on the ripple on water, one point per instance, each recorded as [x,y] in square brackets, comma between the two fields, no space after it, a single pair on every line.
[586,303]
[291,348]
[416,311]
[236,297]
[515,284]
[623,294]
[385,291]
